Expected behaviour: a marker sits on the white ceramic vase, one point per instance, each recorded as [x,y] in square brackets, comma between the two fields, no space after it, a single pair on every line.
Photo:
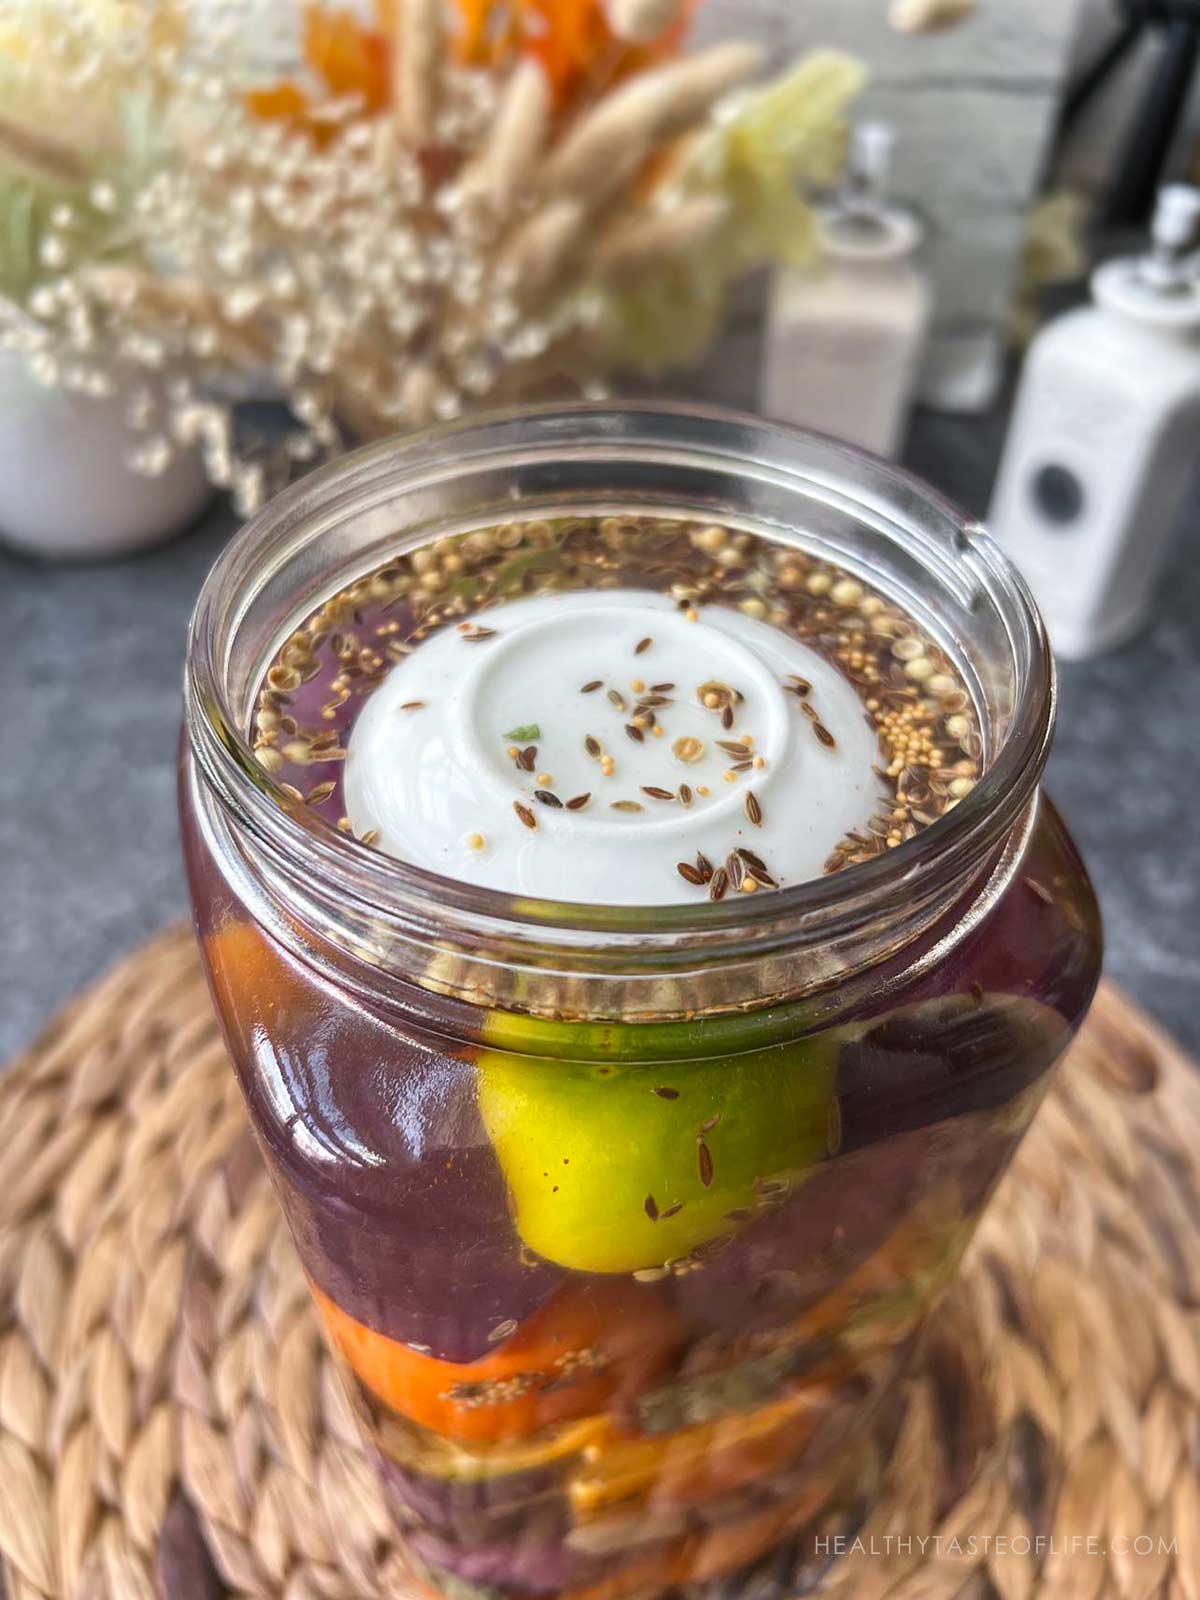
[66,491]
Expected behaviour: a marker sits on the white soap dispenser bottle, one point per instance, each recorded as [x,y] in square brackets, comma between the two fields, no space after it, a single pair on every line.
[1105,439]
[845,339]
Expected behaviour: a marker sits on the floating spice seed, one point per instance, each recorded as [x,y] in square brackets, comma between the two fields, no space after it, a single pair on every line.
[320,793]
[419,705]
[578,803]
[704,866]
[635,733]
[735,870]
[798,686]
[666,1093]
[685,795]
[742,766]
[590,688]
[671,1211]
[617,699]
[527,759]
[526,816]
[593,747]
[689,873]
[704,1163]
[727,718]
[642,646]
[626,805]
[688,749]
[718,885]
[753,809]
[502,1330]
[369,838]
[734,748]
[657,794]
[824,735]
[291,791]
[661,688]
[708,1124]
[548,799]
[477,635]
[651,1209]
[810,712]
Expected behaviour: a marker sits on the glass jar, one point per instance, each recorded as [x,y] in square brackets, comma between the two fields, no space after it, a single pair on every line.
[626,1409]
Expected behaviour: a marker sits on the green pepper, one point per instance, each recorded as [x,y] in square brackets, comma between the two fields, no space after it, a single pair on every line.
[619,1167]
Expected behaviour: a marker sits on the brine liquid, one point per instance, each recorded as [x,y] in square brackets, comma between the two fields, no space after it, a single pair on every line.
[618,709]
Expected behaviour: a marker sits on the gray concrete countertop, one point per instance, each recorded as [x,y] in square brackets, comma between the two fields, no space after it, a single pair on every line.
[90,667]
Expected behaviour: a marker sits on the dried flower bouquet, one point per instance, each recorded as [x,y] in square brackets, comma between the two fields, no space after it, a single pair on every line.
[448,207]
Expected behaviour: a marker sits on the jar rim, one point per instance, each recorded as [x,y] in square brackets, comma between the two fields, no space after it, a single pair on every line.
[386,887]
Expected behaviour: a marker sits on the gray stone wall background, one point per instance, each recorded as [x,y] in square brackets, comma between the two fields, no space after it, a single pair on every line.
[975,108]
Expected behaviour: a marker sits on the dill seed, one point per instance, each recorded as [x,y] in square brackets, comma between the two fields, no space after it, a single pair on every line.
[753,809]
[651,1209]
[734,747]
[478,635]
[642,646]
[689,873]
[671,1211]
[320,793]
[526,816]
[413,705]
[685,795]
[704,866]
[727,718]
[661,688]
[799,686]
[617,699]
[578,803]
[369,838]
[735,870]
[704,1163]
[709,1124]
[665,1093]
[824,735]
[718,884]
[291,791]
[527,759]
[590,688]
[635,733]
[549,799]
[626,805]
[502,1330]
[593,747]
[657,794]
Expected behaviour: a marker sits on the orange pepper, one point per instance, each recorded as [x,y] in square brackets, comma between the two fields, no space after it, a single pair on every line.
[250,975]
[593,1345]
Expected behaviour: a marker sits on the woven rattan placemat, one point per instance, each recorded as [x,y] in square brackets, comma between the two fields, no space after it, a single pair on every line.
[170,1425]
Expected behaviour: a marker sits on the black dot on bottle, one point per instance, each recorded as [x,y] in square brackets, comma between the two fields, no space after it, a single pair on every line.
[1058,494]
